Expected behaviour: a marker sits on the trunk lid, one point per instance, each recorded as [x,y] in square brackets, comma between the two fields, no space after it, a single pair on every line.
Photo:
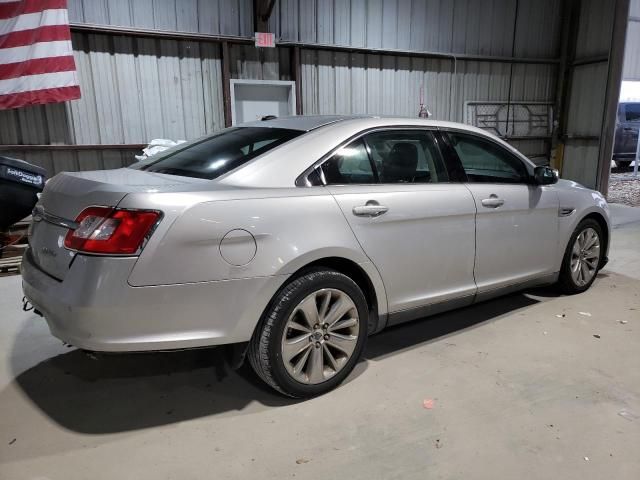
[68,193]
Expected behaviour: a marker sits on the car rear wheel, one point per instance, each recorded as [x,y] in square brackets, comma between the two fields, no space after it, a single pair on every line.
[312,335]
[582,257]
[623,163]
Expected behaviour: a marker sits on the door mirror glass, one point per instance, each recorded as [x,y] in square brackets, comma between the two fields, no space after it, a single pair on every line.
[545,175]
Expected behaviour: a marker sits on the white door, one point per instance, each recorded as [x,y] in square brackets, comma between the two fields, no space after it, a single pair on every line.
[517,221]
[252,100]
[416,229]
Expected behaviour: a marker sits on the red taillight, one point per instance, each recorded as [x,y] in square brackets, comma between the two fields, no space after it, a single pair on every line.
[111,231]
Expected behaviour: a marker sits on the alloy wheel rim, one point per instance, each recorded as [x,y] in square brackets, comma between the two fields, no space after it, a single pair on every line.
[320,336]
[585,256]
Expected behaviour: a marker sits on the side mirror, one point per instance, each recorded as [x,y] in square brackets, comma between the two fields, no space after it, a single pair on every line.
[545,175]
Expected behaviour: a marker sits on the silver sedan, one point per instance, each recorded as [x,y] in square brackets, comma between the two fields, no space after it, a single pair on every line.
[294,239]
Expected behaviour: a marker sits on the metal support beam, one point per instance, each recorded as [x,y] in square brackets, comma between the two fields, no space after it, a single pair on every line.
[175,35]
[226,84]
[151,33]
[590,60]
[569,29]
[296,72]
[420,53]
[261,13]
[614,82]
[63,147]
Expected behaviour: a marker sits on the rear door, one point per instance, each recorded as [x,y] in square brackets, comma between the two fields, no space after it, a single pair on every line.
[517,221]
[416,228]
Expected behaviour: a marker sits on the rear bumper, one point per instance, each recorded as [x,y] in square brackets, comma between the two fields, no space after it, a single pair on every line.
[94,308]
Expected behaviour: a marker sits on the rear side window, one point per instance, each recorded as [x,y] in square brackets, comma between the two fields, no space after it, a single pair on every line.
[393,156]
[632,112]
[221,153]
[484,161]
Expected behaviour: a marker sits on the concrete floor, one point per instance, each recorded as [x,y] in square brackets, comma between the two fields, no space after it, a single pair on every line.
[517,391]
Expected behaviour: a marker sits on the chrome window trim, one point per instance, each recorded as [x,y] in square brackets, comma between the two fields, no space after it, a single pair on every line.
[40,214]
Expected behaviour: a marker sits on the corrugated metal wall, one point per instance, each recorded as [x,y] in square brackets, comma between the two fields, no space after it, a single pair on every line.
[135,89]
[588,89]
[226,17]
[632,51]
[483,27]
[248,62]
[366,83]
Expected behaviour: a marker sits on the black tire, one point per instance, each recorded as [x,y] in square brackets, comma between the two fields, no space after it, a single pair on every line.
[565,282]
[264,351]
[623,163]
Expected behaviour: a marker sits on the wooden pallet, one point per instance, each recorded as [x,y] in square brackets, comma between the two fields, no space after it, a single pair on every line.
[11,264]
[14,243]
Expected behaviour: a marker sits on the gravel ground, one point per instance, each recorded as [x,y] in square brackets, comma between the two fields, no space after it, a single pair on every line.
[624,188]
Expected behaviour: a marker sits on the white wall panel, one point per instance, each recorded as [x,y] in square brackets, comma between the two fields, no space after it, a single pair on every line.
[631,69]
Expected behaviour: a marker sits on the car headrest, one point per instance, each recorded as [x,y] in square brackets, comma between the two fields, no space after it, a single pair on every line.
[402,163]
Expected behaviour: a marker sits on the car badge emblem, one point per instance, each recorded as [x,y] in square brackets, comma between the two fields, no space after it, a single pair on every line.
[47,251]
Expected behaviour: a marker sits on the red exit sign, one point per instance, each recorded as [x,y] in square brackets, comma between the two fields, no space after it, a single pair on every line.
[265,39]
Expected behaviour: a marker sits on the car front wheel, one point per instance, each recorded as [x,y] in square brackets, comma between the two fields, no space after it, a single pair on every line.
[623,163]
[312,335]
[582,257]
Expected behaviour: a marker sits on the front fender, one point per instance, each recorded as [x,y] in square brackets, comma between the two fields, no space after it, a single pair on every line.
[583,202]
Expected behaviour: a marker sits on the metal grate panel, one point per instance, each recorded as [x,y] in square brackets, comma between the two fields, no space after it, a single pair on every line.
[511,119]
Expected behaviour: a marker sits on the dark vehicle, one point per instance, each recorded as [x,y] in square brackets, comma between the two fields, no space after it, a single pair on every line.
[20,182]
[624,149]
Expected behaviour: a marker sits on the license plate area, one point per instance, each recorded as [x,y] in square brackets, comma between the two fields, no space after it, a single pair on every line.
[47,248]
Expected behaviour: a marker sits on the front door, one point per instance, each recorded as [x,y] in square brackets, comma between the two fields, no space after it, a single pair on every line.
[416,228]
[517,221]
[629,126]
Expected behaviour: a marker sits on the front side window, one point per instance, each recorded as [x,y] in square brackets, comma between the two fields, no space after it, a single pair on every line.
[632,112]
[221,153]
[484,161]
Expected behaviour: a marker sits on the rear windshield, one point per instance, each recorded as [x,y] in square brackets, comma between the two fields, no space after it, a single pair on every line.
[221,153]
[632,112]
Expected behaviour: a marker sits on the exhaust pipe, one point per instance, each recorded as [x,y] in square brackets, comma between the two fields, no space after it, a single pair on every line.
[27,306]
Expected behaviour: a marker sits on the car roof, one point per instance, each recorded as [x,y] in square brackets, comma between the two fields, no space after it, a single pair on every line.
[281,166]
[307,123]
[303,123]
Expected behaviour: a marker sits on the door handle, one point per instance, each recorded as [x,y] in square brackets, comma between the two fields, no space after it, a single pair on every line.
[492,202]
[371,209]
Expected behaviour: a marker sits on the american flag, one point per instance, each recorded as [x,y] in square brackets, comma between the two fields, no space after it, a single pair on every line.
[36,57]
